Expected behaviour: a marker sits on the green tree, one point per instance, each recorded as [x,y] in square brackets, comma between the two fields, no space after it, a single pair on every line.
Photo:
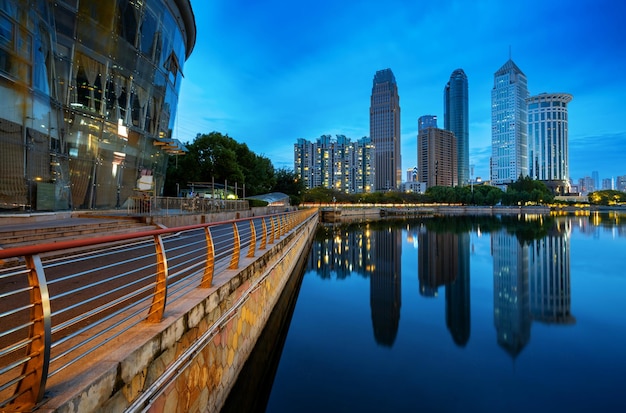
[288,182]
[219,158]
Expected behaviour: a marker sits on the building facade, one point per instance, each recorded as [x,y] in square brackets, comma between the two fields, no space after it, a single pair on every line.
[338,163]
[385,130]
[548,154]
[509,131]
[89,91]
[456,119]
[436,157]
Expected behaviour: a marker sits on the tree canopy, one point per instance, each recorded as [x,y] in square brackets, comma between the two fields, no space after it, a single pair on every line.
[220,158]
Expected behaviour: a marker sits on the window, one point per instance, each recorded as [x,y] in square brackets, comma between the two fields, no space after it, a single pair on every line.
[6,32]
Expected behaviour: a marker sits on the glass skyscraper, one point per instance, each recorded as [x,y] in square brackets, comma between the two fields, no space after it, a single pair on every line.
[509,133]
[547,140]
[456,119]
[89,94]
[385,130]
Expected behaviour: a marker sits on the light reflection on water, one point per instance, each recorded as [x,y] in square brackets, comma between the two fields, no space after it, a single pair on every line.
[460,314]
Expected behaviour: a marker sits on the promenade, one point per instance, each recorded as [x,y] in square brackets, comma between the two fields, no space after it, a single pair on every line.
[127,321]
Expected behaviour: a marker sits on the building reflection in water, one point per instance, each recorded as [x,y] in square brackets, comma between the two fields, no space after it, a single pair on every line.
[372,250]
[549,264]
[510,292]
[458,293]
[531,283]
[385,284]
[531,274]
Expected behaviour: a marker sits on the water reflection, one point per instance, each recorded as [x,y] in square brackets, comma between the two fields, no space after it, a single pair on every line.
[343,353]
[531,269]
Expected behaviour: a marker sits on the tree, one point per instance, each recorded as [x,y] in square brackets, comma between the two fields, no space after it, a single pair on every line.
[219,158]
[288,182]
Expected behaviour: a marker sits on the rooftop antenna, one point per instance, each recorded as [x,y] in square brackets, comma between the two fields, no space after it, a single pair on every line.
[509,52]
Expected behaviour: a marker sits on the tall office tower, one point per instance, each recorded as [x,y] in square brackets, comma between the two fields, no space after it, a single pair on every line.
[385,130]
[607,183]
[426,121]
[436,157]
[547,140]
[509,133]
[456,119]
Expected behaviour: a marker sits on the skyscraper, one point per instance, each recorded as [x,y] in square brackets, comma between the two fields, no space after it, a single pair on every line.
[385,130]
[456,119]
[547,140]
[436,155]
[509,133]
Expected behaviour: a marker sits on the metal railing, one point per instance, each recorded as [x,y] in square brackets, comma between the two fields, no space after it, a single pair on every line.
[56,312]
[160,205]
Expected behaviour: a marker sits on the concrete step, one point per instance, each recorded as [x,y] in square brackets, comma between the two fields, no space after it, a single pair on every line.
[64,230]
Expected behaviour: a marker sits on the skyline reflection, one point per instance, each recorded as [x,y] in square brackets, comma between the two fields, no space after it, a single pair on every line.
[531,268]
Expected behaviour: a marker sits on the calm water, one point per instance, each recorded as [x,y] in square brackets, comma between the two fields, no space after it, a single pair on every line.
[457,315]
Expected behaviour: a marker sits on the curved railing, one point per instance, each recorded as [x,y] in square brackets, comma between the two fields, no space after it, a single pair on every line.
[56,312]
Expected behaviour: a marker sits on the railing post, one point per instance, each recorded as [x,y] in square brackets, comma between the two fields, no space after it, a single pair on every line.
[30,389]
[234,261]
[207,278]
[264,236]
[252,239]
[160,289]
[273,230]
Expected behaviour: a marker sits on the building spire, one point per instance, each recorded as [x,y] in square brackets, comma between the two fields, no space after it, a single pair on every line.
[509,52]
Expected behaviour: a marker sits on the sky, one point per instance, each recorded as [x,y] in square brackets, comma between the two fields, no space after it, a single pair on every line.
[267,73]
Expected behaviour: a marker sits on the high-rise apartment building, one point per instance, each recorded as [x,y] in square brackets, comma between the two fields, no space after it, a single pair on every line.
[339,163]
[385,130]
[456,119]
[509,131]
[436,156]
[620,183]
[89,92]
[548,154]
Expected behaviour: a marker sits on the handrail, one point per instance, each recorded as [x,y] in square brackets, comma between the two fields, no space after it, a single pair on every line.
[51,319]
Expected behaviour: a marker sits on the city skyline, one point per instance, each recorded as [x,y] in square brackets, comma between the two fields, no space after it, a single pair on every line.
[269,74]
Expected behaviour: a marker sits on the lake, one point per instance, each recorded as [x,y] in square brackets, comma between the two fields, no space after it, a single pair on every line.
[452,314]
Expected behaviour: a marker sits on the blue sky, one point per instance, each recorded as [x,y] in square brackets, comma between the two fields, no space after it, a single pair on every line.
[269,72]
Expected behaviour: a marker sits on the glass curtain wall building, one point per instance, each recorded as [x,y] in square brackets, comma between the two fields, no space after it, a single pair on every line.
[509,133]
[456,119]
[548,153]
[90,90]
[385,130]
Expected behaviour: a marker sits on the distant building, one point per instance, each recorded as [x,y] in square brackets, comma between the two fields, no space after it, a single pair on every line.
[620,183]
[456,119]
[586,185]
[607,183]
[385,130]
[411,174]
[414,187]
[339,163]
[596,179]
[548,153]
[437,157]
[509,131]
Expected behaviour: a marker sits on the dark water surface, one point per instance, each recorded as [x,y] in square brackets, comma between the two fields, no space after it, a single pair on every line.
[457,314]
